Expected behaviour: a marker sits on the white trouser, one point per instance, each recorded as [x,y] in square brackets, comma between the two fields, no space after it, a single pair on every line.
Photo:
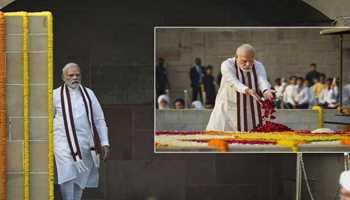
[71,191]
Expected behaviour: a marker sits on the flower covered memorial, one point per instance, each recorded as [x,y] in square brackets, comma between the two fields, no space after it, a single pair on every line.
[266,137]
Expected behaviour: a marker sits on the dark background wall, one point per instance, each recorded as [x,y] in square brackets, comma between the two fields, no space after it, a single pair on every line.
[113,43]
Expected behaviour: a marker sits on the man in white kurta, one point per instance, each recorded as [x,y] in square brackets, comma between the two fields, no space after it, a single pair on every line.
[290,93]
[72,180]
[243,83]
[344,182]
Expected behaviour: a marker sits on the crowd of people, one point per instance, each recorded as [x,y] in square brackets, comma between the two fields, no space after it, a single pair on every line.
[296,92]
[303,93]
[203,84]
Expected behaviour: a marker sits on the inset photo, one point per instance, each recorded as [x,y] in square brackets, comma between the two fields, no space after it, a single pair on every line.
[252,89]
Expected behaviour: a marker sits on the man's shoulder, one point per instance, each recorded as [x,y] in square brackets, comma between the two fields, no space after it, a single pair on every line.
[258,63]
[57,93]
[289,87]
[228,61]
[57,90]
[88,89]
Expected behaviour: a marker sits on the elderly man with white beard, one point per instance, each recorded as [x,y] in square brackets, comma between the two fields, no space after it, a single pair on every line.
[243,84]
[80,135]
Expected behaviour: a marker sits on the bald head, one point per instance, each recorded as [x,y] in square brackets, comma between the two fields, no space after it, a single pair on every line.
[71,75]
[245,55]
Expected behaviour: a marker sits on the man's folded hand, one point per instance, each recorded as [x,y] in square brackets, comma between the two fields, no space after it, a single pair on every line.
[105,152]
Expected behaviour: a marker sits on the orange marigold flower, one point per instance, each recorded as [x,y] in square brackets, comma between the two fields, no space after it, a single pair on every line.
[345,141]
[218,144]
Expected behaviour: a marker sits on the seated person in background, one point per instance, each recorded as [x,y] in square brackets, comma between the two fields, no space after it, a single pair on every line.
[329,96]
[301,97]
[163,102]
[209,86]
[319,86]
[289,93]
[346,94]
[312,100]
[179,103]
[197,105]
[279,88]
[344,182]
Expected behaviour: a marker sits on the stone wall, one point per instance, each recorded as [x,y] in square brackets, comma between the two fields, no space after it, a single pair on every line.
[297,119]
[37,107]
[284,52]
[198,119]
[338,9]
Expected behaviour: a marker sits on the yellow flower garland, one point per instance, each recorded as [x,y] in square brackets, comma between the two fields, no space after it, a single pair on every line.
[26,134]
[319,110]
[288,139]
[51,169]
[26,160]
[26,131]
[293,145]
[285,135]
[50,103]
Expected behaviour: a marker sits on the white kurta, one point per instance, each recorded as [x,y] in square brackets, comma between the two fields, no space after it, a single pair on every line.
[280,90]
[302,96]
[224,114]
[329,96]
[64,161]
[289,94]
[312,99]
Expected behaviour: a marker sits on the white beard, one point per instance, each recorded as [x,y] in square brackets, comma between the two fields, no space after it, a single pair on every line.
[72,85]
[246,70]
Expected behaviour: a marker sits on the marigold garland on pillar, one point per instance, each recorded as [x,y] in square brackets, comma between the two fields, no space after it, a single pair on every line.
[26,161]
[26,131]
[49,20]
[50,102]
